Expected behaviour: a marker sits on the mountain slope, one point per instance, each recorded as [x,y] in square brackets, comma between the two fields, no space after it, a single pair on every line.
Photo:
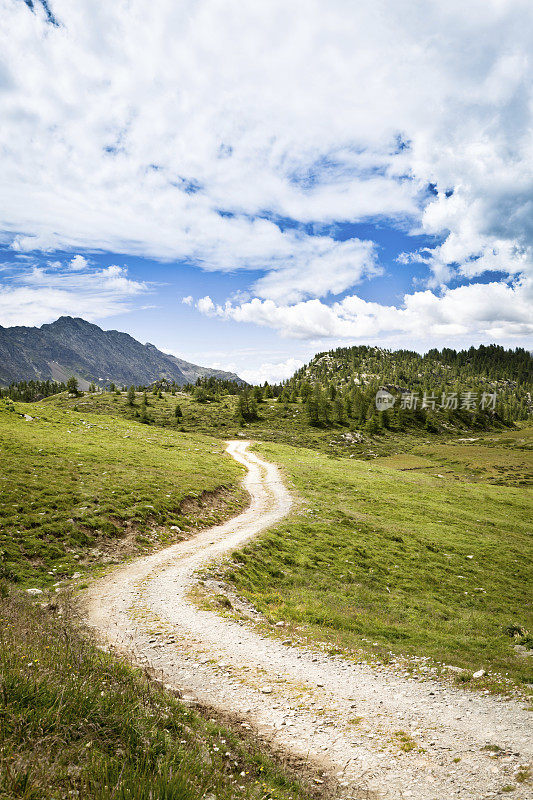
[72,346]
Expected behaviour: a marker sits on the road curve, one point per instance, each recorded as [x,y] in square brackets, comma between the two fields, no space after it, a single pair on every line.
[346,718]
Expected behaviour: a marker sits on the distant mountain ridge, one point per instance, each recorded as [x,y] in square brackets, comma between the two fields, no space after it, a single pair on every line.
[73,346]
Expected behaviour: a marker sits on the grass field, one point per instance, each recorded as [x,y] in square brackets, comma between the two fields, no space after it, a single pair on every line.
[420,550]
[278,422]
[505,458]
[400,560]
[83,489]
[77,723]
[77,491]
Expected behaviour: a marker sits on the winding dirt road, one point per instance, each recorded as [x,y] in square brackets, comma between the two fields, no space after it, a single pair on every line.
[353,721]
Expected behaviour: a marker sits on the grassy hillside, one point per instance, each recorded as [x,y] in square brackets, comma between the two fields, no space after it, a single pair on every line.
[79,490]
[410,544]
[277,421]
[77,723]
[409,558]
[285,422]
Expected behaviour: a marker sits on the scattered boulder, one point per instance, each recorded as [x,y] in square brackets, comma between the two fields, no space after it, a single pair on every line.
[34,591]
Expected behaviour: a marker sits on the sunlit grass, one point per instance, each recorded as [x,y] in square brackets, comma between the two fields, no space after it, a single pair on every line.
[76,489]
[401,561]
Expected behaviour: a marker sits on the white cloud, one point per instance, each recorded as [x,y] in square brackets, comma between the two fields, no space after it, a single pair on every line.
[273,372]
[190,131]
[329,267]
[188,300]
[481,311]
[41,294]
[78,263]
[205,305]
[128,131]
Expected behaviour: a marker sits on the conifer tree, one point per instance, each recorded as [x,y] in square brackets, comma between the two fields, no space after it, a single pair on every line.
[72,386]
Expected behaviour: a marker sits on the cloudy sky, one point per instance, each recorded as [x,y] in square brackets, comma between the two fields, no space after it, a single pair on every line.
[244,184]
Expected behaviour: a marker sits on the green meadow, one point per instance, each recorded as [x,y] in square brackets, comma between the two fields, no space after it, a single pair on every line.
[78,490]
[285,422]
[401,546]
[399,559]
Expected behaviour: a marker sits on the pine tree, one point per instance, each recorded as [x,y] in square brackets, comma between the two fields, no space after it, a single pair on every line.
[338,406]
[311,407]
[323,405]
[72,386]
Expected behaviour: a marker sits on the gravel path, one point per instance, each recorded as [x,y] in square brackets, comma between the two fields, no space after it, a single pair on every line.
[355,722]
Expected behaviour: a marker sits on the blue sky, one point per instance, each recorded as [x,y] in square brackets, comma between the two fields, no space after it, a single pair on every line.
[303,175]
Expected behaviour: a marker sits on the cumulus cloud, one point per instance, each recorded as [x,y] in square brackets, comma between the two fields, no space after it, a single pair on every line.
[173,134]
[231,135]
[273,372]
[39,294]
[188,300]
[78,263]
[327,267]
[206,306]
[494,310]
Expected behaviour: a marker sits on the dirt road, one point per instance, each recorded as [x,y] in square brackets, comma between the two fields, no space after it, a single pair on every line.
[380,734]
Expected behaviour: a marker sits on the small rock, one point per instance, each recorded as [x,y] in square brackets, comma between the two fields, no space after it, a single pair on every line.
[34,591]
[280,624]
[479,673]
[76,575]
[266,689]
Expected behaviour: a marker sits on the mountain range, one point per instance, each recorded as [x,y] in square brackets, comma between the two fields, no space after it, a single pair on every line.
[72,346]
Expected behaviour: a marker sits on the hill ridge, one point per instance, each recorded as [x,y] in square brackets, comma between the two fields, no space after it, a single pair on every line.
[73,346]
